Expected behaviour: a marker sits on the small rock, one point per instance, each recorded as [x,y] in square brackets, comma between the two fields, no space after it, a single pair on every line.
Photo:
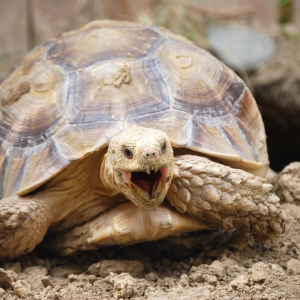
[261,271]
[104,267]
[46,281]
[210,279]
[184,280]
[196,277]
[151,276]
[22,288]
[216,268]
[293,267]
[124,285]
[7,278]
[248,263]
[239,282]
[13,266]
[65,270]
[169,282]
[288,188]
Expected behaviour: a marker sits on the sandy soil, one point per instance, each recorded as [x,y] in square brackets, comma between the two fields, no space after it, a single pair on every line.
[203,265]
[209,265]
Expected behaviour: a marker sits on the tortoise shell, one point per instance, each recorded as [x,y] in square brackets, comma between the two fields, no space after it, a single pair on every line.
[69,96]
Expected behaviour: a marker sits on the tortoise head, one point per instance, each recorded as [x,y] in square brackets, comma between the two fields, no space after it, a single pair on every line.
[142,164]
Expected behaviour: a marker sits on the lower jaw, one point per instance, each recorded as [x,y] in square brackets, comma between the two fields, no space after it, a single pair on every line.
[148,204]
[143,200]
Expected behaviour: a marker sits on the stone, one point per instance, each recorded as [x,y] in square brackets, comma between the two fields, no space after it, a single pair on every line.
[65,270]
[105,267]
[293,267]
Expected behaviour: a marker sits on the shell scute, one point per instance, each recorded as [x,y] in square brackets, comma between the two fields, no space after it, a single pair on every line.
[85,48]
[202,86]
[27,120]
[99,99]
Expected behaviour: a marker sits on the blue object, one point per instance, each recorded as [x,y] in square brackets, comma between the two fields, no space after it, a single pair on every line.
[241,48]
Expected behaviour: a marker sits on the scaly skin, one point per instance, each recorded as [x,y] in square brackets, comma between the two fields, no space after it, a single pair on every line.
[227,197]
[23,224]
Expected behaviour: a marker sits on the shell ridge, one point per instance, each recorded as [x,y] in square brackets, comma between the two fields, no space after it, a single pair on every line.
[165,81]
[4,164]
[235,146]
[37,173]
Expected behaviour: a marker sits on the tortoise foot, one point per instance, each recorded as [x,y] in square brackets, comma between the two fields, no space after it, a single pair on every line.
[23,225]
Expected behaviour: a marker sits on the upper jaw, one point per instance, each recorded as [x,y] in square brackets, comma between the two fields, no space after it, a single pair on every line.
[147,189]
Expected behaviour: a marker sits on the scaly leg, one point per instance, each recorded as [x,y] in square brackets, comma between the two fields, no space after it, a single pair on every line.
[24,221]
[23,224]
[124,225]
[225,197]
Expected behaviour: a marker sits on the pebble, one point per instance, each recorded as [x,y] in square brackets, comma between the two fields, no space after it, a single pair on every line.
[65,270]
[104,267]
[293,267]
[13,266]
[210,279]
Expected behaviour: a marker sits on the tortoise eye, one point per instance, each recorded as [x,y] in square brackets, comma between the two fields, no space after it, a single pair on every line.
[128,153]
[164,147]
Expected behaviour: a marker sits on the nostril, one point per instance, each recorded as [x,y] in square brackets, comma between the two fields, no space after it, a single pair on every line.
[150,154]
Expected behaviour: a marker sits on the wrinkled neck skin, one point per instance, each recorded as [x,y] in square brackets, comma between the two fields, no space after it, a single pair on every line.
[140,165]
[108,178]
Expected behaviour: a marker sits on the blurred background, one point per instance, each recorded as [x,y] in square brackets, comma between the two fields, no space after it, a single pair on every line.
[274,79]
[26,23]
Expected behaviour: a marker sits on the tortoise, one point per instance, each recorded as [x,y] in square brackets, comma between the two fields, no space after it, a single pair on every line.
[118,133]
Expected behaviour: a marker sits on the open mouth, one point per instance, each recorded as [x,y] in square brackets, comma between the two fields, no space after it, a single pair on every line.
[147,182]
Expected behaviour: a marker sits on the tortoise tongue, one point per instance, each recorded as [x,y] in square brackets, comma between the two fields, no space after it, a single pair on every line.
[147,182]
[144,185]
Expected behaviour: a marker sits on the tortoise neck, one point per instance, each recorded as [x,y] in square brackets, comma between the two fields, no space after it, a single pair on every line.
[107,180]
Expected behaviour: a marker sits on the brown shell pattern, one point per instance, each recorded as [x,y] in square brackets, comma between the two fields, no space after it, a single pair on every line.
[69,96]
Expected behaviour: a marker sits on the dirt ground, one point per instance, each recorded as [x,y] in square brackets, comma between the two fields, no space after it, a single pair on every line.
[207,265]
[202,265]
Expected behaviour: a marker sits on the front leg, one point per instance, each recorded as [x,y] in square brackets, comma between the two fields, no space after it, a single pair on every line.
[23,224]
[226,197]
